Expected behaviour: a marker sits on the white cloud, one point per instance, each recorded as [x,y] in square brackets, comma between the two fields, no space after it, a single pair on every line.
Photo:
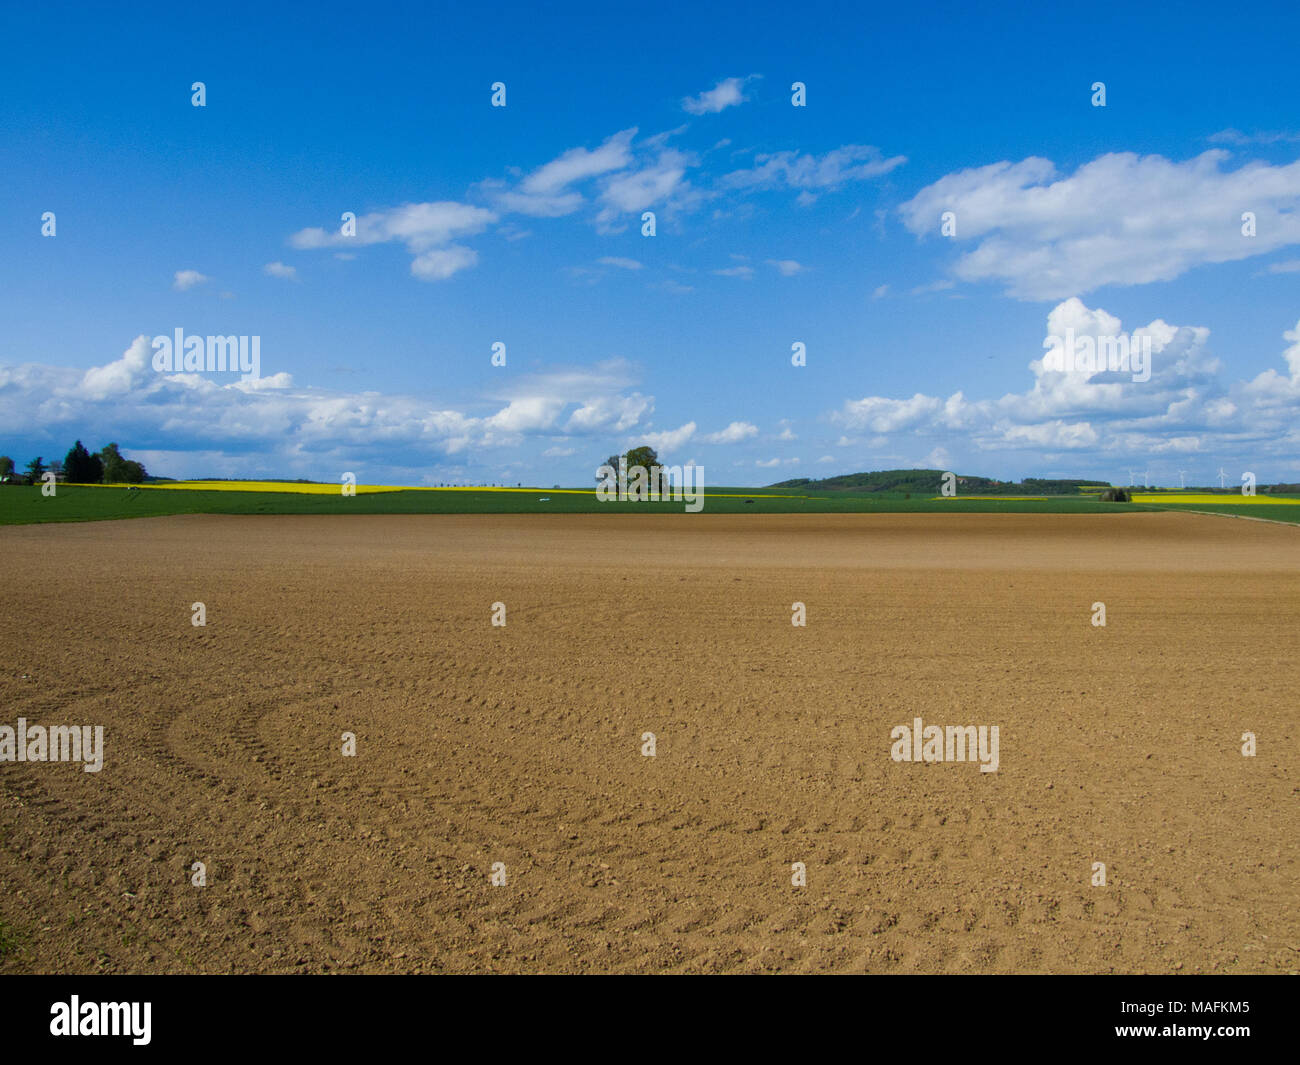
[183,280]
[662,181]
[852,162]
[427,230]
[578,164]
[545,193]
[527,414]
[1274,392]
[727,93]
[732,434]
[1233,136]
[279,269]
[609,413]
[120,377]
[881,415]
[787,267]
[669,440]
[1120,219]
[1184,408]
[621,263]
[441,263]
[270,425]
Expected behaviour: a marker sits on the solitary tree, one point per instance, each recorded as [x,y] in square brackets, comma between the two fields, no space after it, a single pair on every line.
[114,464]
[35,469]
[638,456]
[644,456]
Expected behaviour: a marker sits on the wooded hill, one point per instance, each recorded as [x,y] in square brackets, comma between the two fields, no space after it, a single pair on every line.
[931,480]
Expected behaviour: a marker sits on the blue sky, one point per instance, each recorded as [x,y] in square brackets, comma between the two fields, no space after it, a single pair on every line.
[775,224]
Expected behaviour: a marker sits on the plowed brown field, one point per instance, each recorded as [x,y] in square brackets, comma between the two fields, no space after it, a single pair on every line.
[522,744]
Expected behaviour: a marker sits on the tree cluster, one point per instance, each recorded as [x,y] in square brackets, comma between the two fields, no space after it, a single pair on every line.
[79,466]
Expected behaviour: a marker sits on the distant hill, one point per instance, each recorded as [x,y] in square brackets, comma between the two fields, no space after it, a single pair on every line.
[930,480]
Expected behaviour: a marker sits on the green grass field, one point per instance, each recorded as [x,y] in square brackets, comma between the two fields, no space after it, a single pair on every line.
[26,506]
[1290,515]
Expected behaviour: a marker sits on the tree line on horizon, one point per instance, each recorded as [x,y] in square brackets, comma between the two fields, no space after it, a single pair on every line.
[921,480]
[106,466]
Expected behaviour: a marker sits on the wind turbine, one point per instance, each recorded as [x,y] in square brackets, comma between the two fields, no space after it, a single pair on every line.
[1222,476]
[1130,478]
[1182,483]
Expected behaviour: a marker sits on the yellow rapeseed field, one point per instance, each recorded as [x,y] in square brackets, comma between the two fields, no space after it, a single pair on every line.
[333,489]
[1201,498]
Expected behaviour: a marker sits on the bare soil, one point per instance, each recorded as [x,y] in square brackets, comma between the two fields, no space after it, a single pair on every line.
[522,744]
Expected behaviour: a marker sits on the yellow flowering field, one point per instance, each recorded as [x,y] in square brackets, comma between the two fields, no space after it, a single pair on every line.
[1200,498]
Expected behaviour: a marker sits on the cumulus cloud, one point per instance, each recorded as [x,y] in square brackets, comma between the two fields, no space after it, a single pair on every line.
[183,280]
[881,415]
[300,427]
[621,178]
[1275,392]
[670,440]
[426,229]
[279,269]
[660,181]
[1184,406]
[1120,219]
[609,413]
[120,376]
[439,264]
[732,434]
[727,93]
